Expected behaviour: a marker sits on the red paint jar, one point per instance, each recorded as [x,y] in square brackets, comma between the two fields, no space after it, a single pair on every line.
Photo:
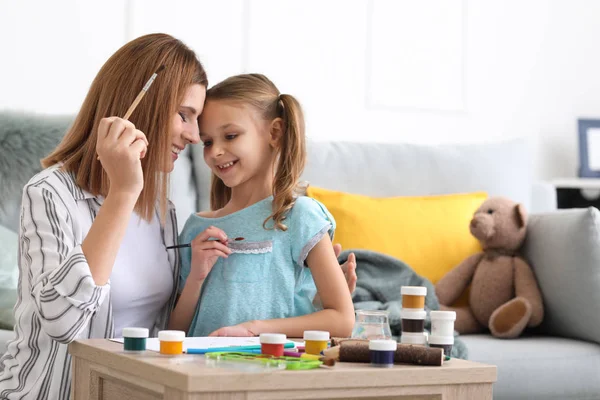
[272,343]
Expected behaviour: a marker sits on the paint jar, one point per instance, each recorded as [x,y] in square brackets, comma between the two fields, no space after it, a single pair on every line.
[413,296]
[171,342]
[315,341]
[419,339]
[413,320]
[382,352]
[442,323]
[272,343]
[371,325]
[134,339]
[443,342]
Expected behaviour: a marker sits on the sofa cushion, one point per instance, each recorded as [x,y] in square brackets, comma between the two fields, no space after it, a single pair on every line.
[565,248]
[25,139]
[539,367]
[396,169]
[429,233]
[9,275]
[182,188]
[202,176]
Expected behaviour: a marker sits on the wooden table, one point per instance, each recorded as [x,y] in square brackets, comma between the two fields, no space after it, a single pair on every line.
[101,370]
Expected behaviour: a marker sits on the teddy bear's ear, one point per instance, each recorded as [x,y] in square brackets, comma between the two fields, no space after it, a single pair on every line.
[520,215]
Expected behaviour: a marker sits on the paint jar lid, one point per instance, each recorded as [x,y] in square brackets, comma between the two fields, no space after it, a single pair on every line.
[316,335]
[436,339]
[413,338]
[443,315]
[383,345]
[273,338]
[135,332]
[413,290]
[171,336]
[412,314]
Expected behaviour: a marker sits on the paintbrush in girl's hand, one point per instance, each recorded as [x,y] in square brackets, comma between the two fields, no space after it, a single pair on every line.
[179,246]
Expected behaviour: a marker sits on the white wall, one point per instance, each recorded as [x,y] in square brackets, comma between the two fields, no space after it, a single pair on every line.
[366,70]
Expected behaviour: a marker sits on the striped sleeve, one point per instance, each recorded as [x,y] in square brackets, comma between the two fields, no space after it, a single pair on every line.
[62,288]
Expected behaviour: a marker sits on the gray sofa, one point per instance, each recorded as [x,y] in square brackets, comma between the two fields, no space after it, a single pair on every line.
[561,359]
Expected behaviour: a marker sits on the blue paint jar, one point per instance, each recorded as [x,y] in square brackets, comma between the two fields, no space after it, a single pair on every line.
[382,352]
[134,339]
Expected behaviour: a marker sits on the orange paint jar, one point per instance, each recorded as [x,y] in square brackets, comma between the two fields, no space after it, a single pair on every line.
[413,296]
[171,342]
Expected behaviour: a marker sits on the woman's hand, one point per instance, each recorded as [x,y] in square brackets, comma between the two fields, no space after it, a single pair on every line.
[120,147]
[206,251]
[243,329]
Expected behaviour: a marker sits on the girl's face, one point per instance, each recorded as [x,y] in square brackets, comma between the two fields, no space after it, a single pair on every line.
[184,125]
[238,146]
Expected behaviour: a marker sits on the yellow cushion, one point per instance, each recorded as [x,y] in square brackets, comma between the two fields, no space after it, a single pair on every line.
[429,233]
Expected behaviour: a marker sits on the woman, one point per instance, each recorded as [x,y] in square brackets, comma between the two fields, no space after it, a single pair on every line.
[97,220]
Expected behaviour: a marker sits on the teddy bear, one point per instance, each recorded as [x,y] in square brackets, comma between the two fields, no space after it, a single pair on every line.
[504,295]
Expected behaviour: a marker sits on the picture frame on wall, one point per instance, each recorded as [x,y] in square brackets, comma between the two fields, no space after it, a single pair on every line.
[589,148]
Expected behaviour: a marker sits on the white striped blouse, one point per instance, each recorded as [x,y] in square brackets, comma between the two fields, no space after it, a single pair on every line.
[58,300]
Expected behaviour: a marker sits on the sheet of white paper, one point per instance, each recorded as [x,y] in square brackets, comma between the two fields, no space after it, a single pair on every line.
[593,142]
[206,342]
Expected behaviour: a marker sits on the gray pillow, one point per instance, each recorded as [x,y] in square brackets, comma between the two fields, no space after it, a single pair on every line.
[25,139]
[563,248]
[9,274]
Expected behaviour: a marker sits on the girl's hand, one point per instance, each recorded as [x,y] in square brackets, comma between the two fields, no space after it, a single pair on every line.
[206,251]
[120,148]
[348,268]
[244,329]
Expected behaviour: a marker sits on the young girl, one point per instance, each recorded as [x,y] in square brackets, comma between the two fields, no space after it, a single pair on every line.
[254,273]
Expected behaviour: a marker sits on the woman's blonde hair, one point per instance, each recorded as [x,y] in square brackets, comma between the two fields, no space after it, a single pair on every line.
[258,92]
[112,92]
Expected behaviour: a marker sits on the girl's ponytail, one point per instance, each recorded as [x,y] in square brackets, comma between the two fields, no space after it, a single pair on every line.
[291,159]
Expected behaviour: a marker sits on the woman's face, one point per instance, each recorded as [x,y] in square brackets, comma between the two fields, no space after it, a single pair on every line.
[184,125]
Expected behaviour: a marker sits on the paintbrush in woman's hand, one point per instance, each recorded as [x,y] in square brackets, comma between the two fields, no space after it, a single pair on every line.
[140,96]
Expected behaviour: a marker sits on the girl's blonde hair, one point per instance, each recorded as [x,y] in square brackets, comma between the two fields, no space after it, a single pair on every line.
[259,92]
[112,92]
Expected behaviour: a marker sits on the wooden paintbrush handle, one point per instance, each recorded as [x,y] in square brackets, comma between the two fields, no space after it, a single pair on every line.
[134,104]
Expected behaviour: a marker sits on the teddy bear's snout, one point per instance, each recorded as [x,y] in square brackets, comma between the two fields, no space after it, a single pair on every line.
[482,227]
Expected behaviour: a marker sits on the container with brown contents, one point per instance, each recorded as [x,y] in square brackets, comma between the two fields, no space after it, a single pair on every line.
[413,320]
[413,296]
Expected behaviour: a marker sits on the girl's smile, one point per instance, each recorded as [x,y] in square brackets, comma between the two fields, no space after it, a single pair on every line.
[226,167]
